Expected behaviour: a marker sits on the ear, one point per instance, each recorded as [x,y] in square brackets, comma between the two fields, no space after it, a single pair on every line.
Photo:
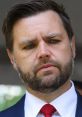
[12,59]
[73,47]
[10,55]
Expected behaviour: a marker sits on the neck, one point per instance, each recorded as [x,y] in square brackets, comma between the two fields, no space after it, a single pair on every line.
[53,95]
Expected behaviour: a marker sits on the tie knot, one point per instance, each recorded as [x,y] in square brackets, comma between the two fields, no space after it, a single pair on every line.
[47,110]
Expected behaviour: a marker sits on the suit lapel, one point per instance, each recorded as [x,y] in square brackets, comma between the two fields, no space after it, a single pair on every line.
[79,105]
[19,108]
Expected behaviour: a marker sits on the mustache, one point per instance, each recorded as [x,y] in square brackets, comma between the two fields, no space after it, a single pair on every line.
[47,62]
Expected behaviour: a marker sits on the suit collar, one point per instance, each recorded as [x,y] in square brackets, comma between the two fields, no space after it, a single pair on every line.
[21,104]
[79,105]
[18,110]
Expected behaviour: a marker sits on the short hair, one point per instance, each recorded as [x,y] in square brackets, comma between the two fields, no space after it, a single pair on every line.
[29,8]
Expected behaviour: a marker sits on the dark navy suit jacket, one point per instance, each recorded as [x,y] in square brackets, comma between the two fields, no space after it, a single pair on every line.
[18,109]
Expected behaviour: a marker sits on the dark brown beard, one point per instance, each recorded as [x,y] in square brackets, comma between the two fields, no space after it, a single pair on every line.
[35,83]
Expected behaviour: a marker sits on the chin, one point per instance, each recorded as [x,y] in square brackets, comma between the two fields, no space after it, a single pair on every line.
[48,80]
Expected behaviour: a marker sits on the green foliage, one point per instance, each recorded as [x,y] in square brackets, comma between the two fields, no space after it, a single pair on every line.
[9,103]
[9,95]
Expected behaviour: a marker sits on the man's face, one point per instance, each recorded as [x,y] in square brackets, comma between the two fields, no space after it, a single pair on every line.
[42,52]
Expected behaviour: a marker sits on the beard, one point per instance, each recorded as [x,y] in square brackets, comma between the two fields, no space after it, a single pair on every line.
[45,85]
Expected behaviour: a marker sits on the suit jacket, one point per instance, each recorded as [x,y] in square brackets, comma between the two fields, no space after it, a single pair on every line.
[17,110]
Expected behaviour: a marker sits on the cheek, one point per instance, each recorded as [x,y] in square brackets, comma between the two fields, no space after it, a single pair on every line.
[66,57]
[63,55]
[26,63]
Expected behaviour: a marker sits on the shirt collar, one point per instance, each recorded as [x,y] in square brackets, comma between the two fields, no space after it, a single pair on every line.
[34,104]
[66,103]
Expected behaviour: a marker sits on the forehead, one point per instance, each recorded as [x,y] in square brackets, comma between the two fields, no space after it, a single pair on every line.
[42,23]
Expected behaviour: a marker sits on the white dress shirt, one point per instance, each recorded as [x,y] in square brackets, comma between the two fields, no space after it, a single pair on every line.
[64,104]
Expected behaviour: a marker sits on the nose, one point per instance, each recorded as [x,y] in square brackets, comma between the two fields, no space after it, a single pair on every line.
[43,51]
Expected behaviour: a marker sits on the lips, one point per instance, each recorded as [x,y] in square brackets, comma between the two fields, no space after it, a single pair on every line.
[45,66]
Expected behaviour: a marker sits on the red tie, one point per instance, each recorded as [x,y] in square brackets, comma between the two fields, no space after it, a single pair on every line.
[47,110]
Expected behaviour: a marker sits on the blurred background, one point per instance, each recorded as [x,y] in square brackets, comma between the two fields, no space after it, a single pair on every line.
[8,77]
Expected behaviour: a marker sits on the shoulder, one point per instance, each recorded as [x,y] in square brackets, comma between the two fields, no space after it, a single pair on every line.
[79,105]
[79,97]
[15,110]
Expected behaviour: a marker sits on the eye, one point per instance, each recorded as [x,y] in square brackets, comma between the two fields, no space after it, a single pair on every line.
[53,41]
[29,46]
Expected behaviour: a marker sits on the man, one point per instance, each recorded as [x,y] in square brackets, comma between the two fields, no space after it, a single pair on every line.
[41,46]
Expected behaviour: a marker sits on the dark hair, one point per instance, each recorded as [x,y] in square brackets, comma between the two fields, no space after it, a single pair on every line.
[29,8]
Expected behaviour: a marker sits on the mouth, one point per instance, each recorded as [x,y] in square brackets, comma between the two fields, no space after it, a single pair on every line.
[45,66]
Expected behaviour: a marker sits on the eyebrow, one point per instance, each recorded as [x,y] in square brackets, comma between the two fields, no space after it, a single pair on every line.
[27,41]
[53,34]
[34,40]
